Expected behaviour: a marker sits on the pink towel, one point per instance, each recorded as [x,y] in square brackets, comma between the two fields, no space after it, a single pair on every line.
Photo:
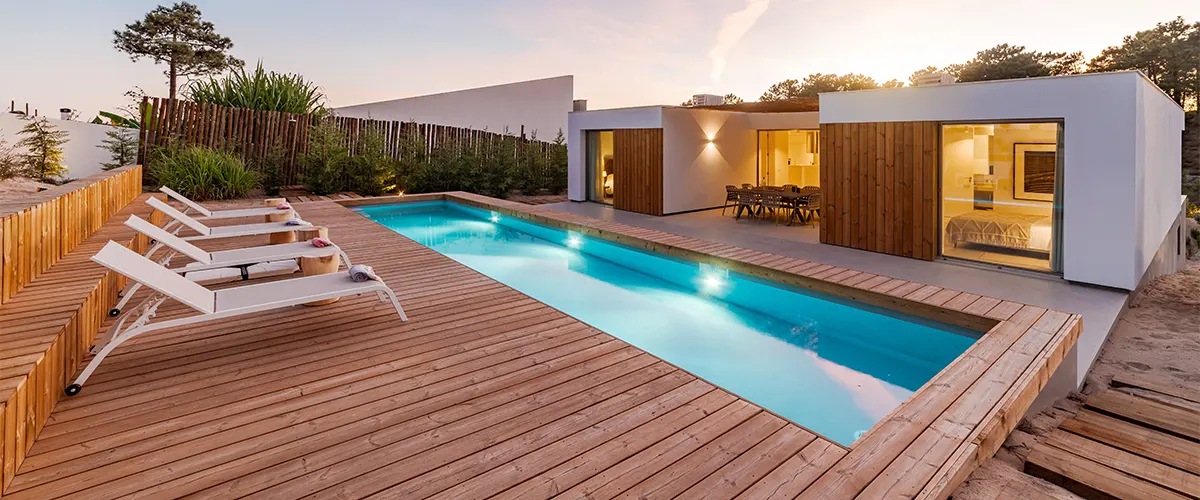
[321,242]
[283,206]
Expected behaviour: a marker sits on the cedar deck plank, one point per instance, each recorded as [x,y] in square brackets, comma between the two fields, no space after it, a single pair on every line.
[1171,450]
[1169,418]
[1090,479]
[1145,382]
[1129,463]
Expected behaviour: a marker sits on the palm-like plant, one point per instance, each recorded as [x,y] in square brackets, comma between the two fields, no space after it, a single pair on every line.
[261,90]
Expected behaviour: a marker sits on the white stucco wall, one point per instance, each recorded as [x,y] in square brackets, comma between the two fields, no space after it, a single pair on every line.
[578,123]
[1159,142]
[695,173]
[540,106]
[81,153]
[1110,189]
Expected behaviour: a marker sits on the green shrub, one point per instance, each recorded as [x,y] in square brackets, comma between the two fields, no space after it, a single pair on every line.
[557,181]
[372,170]
[269,167]
[491,168]
[326,160]
[122,146]
[261,90]
[201,173]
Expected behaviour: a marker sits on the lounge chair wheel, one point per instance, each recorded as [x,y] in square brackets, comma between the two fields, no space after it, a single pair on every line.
[114,312]
[73,389]
[120,293]
[153,241]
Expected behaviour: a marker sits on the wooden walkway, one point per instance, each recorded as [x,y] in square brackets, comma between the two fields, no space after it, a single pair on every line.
[1139,439]
[489,393]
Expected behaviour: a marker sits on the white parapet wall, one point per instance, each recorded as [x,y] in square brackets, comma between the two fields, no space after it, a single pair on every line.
[81,154]
[539,106]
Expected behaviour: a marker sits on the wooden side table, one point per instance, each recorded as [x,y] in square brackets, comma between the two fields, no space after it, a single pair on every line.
[286,236]
[312,266]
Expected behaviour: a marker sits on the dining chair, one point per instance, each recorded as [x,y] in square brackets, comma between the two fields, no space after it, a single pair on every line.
[748,201]
[774,204]
[731,198]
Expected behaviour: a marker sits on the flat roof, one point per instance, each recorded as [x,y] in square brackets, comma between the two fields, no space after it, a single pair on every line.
[1013,80]
[798,105]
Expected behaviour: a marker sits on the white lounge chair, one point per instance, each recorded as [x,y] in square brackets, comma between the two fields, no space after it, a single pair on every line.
[204,213]
[211,304]
[181,220]
[204,260]
[207,232]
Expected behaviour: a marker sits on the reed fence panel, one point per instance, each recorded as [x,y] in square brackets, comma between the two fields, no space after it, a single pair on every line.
[253,134]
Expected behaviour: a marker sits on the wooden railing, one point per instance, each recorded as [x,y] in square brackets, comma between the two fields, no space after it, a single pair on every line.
[38,229]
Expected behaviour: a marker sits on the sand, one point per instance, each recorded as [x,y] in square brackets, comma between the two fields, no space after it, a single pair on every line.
[1159,336]
[20,185]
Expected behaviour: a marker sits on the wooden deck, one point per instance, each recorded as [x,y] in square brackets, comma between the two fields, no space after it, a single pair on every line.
[1139,439]
[489,393]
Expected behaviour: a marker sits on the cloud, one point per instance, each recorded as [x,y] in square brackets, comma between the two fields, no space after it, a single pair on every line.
[733,27]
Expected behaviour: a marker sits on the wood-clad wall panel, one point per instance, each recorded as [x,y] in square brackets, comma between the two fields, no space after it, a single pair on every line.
[879,187]
[638,170]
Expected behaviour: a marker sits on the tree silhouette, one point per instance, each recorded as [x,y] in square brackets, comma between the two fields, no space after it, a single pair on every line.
[177,36]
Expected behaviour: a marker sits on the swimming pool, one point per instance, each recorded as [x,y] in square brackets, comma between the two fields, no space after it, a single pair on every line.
[832,366]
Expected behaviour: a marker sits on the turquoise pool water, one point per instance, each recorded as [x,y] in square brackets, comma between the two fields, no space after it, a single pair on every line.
[826,364]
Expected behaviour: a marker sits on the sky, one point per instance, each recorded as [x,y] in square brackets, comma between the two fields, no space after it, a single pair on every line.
[59,53]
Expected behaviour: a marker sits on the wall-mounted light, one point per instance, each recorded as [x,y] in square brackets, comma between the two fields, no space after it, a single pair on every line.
[574,242]
[495,217]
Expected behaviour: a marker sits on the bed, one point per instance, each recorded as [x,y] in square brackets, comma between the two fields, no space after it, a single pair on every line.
[998,229]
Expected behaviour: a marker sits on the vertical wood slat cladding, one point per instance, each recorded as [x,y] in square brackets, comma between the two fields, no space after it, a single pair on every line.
[638,170]
[879,187]
[37,230]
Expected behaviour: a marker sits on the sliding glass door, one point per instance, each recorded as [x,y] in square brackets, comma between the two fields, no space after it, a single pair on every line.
[789,157]
[600,166]
[1002,194]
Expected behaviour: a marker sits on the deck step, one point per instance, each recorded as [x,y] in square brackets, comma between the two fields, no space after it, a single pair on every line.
[1125,445]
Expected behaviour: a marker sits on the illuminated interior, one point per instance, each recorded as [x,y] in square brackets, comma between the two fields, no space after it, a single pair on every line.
[789,157]
[1000,183]
[600,166]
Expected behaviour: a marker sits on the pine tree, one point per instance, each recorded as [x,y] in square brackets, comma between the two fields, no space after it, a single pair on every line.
[179,37]
[43,143]
[122,145]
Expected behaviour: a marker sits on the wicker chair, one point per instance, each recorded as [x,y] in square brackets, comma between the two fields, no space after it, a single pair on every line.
[748,200]
[813,204]
[774,204]
[731,198]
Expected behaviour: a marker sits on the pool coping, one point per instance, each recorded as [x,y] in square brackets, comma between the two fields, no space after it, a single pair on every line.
[962,414]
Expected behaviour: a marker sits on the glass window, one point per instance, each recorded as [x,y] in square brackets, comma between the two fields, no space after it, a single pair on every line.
[789,157]
[600,166]
[1001,201]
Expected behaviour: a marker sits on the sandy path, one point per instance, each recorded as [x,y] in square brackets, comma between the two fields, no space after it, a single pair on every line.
[1159,336]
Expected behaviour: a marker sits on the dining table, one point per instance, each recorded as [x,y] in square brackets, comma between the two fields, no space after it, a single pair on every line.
[797,201]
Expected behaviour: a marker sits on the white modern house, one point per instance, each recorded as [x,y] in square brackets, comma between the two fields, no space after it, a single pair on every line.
[531,106]
[1076,176]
